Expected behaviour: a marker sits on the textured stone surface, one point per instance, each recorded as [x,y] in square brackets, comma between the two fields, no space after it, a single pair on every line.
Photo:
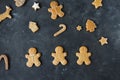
[16,39]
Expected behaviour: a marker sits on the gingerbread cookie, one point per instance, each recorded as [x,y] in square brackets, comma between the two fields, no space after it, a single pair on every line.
[55,10]
[59,56]
[90,26]
[6,14]
[5,59]
[97,3]
[33,57]
[103,41]
[19,3]
[33,26]
[83,56]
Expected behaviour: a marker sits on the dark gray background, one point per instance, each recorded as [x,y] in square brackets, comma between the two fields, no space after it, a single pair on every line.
[16,39]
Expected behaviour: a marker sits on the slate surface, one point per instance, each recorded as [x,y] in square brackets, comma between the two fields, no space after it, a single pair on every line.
[16,39]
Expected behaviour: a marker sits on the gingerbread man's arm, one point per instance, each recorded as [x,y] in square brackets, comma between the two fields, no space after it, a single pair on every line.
[61,6]
[49,10]
[26,56]
[65,54]
[77,54]
[53,54]
[89,54]
[38,54]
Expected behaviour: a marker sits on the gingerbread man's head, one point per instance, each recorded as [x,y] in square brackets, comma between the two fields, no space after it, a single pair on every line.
[58,49]
[83,49]
[53,4]
[32,51]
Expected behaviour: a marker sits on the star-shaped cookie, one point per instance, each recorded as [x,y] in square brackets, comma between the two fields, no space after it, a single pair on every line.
[36,6]
[103,41]
[79,28]
[97,3]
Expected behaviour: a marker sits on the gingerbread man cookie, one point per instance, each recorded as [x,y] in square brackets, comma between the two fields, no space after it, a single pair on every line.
[83,56]
[33,57]
[55,10]
[59,56]
[6,14]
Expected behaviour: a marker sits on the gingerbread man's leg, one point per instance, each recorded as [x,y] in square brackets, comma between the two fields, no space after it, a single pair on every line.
[79,62]
[87,62]
[29,64]
[55,62]
[9,16]
[60,14]
[36,60]
[53,15]
[64,62]
[37,64]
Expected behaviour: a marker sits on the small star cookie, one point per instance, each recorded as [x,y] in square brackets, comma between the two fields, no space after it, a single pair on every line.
[36,6]
[97,3]
[103,41]
[79,28]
